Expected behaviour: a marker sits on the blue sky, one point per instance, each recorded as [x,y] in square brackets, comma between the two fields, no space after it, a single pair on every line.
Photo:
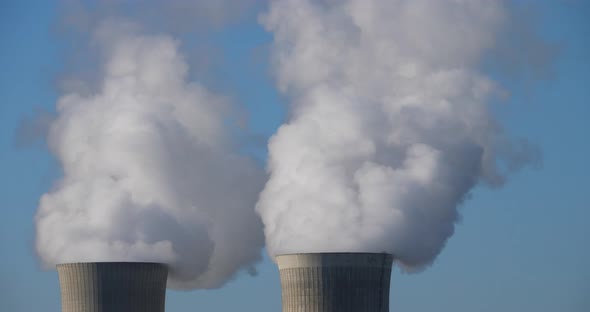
[523,247]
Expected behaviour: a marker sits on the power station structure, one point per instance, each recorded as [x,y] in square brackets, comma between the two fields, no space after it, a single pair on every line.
[113,286]
[310,282]
[335,282]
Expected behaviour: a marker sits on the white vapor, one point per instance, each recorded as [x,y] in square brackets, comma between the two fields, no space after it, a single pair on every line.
[389,125]
[149,170]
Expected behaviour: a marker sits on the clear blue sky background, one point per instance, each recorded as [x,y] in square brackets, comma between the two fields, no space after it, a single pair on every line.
[525,247]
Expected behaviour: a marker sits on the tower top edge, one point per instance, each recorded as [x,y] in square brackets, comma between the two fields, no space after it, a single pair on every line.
[334,259]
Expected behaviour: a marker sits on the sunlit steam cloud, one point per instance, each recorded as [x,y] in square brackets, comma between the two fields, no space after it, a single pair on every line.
[389,125]
[149,170]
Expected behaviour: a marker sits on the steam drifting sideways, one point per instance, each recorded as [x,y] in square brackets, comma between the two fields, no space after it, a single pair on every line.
[389,125]
[150,173]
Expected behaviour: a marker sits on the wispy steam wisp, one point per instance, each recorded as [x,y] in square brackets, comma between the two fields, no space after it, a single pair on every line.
[389,128]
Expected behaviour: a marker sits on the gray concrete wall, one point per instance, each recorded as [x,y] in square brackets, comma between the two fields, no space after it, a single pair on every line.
[112,287]
[335,282]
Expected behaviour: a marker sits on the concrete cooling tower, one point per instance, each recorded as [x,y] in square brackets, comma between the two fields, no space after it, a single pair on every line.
[335,282]
[112,286]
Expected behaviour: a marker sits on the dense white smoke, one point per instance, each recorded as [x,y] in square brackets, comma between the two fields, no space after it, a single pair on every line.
[149,171]
[389,125]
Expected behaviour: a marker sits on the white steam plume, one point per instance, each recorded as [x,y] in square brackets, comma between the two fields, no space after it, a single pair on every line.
[150,173]
[389,124]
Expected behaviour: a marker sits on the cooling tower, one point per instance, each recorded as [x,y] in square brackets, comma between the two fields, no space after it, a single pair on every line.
[335,282]
[112,286]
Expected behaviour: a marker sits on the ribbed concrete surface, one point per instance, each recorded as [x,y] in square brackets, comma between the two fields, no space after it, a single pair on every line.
[112,287]
[335,282]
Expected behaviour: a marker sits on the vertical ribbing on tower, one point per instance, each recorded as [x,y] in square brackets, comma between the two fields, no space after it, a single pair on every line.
[112,286]
[335,282]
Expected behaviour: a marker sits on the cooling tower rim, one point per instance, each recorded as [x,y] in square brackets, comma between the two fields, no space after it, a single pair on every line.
[110,263]
[334,259]
[334,253]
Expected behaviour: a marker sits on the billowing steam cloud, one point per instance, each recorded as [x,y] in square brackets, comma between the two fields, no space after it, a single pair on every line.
[150,173]
[389,124]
